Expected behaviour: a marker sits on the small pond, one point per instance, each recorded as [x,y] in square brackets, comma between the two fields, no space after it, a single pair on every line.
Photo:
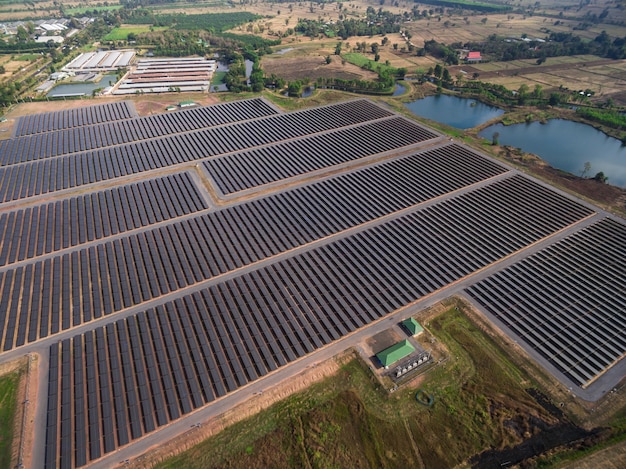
[567,145]
[461,113]
[81,89]
[398,90]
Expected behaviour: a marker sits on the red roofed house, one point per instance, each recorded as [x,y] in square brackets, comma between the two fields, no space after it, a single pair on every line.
[473,57]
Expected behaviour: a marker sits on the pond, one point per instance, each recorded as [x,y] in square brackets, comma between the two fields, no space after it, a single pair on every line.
[398,90]
[222,67]
[81,89]
[461,113]
[567,145]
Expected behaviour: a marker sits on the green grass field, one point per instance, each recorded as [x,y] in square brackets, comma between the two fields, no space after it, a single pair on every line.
[218,78]
[27,57]
[362,61]
[8,407]
[121,33]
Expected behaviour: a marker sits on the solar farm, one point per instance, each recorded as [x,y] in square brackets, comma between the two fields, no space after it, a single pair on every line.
[159,264]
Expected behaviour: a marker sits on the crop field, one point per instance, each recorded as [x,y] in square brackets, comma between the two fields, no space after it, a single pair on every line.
[97,6]
[603,80]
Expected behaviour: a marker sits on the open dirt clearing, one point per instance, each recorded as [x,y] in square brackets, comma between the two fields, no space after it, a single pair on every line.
[313,67]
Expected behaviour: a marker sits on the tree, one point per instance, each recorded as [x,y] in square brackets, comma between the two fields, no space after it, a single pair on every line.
[295,88]
[522,94]
[555,99]
[586,169]
[328,59]
[494,138]
[438,70]
[600,177]
[338,48]
[22,34]
[446,75]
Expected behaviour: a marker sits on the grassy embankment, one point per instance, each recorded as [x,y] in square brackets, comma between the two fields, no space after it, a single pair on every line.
[8,409]
[349,421]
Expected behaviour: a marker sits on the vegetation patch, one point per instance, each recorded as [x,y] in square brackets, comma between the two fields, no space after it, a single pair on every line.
[121,33]
[213,22]
[469,5]
[89,10]
[28,57]
[9,384]
[361,61]
[608,117]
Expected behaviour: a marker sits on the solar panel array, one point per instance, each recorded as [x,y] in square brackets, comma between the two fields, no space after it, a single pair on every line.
[120,132]
[252,168]
[568,301]
[71,118]
[53,174]
[114,275]
[399,214]
[41,229]
[241,329]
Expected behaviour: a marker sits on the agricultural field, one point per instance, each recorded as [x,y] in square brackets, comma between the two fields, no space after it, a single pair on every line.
[351,420]
[82,10]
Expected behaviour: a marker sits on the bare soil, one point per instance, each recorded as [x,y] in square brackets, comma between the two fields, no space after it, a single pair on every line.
[314,67]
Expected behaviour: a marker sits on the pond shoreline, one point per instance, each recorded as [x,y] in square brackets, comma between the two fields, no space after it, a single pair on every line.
[605,195]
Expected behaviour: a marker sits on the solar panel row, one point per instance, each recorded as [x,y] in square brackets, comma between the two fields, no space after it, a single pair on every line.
[568,301]
[41,229]
[53,174]
[70,118]
[83,138]
[211,342]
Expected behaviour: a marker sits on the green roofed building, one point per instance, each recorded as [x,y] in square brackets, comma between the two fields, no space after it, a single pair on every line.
[394,353]
[412,326]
